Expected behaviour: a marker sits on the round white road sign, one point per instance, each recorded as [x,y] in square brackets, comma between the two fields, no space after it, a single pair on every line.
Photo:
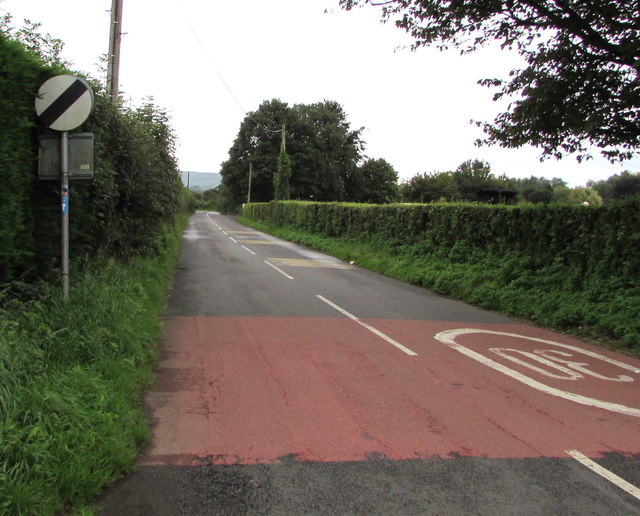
[64,102]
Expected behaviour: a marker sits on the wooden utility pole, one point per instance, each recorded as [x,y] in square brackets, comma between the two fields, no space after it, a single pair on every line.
[284,135]
[113,61]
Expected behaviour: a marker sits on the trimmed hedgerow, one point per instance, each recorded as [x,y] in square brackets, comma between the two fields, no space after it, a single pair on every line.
[565,266]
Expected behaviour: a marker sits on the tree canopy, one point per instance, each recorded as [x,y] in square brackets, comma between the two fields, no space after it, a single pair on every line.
[379,182]
[471,177]
[618,186]
[323,150]
[581,85]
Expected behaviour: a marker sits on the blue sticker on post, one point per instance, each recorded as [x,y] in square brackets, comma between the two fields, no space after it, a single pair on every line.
[65,201]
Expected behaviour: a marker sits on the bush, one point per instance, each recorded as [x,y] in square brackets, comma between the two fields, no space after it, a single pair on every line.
[136,188]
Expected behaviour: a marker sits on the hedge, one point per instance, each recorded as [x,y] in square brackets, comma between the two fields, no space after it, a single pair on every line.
[135,190]
[564,266]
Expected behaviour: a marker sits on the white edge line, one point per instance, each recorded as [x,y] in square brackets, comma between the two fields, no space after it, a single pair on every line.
[368,327]
[279,270]
[247,249]
[605,473]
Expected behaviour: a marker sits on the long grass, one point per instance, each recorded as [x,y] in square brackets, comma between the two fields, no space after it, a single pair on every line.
[607,311]
[71,377]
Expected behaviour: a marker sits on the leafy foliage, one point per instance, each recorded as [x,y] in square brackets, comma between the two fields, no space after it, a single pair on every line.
[618,186]
[580,86]
[474,175]
[71,376]
[136,187]
[282,176]
[324,153]
[463,184]
[379,182]
[71,373]
[586,196]
[47,48]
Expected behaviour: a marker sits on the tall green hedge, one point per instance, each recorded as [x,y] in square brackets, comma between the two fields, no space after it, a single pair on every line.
[586,241]
[569,267]
[135,190]
[19,72]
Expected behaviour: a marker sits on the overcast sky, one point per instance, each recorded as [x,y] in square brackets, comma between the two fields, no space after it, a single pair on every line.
[209,63]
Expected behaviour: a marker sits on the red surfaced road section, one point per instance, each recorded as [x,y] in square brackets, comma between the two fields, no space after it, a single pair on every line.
[255,390]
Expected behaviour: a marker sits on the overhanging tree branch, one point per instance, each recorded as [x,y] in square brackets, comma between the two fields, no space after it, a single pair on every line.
[580,88]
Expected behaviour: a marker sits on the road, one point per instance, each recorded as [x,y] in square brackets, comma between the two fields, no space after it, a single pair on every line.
[290,382]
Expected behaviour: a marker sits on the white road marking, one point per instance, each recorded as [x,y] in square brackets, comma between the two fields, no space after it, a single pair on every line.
[232,239]
[279,270]
[367,326]
[605,473]
[509,354]
[247,249]
[448,337]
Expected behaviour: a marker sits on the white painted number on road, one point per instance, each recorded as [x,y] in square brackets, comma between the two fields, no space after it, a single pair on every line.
[550,357]
[557,363]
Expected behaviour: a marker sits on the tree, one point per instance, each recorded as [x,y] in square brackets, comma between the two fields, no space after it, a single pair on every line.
[581,85]
[257,145]
[617,186]
[627,184]
[535,189]
[323,149]
[379,182]
[561,194]
[430,187]
[473,176]
[586,196]
[282,191]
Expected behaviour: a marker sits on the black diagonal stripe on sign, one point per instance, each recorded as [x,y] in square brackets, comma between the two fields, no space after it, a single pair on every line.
[58,107]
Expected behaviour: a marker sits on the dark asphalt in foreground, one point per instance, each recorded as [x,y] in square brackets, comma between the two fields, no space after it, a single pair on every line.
[292,383]
[459,485]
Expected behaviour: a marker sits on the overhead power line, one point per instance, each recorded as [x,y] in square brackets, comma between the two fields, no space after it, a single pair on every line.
[218,73]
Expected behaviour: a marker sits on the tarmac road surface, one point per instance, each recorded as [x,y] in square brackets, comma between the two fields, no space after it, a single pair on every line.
[290,382]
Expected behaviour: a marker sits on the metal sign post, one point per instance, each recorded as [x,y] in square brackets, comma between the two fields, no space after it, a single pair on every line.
[64,200]
[63,103]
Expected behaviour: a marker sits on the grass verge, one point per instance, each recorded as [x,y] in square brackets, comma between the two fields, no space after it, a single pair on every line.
[71,378]
[606,311]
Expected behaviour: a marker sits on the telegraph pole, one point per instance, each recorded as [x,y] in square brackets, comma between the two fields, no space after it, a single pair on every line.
[113,61]
[250,174]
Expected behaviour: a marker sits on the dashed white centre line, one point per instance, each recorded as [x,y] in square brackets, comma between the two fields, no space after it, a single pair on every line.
[247,249]
[605,473]
[233,239]
[278,269]
[368,327]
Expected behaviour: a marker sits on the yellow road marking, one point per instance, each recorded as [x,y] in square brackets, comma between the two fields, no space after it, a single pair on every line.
[264,242]
[322,264]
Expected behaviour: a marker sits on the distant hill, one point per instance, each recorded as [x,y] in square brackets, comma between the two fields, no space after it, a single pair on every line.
[200,181]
